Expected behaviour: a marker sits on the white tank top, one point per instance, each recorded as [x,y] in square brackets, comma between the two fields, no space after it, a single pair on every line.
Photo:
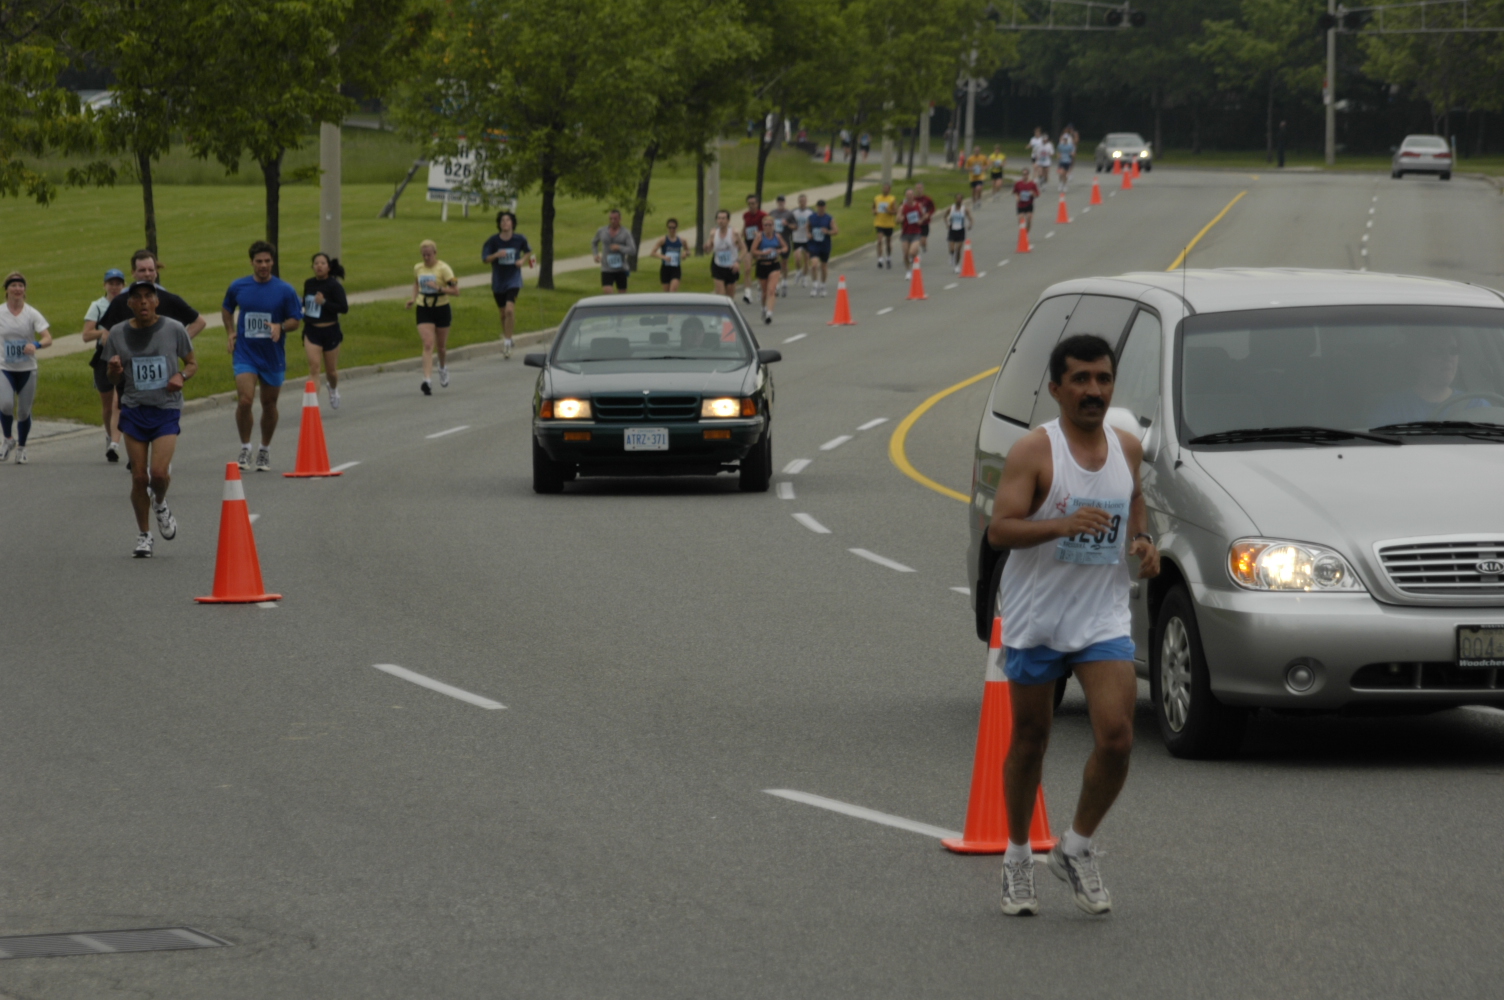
[1073,592]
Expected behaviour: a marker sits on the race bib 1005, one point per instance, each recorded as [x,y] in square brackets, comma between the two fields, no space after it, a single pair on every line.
[150,371]
[1103,548]
[15,350]
[258,326]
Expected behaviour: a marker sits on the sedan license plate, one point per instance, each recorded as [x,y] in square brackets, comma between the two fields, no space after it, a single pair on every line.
[1480,646]
[646,439]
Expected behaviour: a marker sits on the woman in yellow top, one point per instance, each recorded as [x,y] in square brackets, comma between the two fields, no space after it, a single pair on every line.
[976,167]
[433,283]
[995,162]
[884,218]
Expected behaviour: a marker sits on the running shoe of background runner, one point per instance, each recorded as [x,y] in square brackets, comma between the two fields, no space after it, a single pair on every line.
[334,399]
[244,461]
[166,523]
[21,455]
[1084,878]
[143,545]
[264,460]
[443,378]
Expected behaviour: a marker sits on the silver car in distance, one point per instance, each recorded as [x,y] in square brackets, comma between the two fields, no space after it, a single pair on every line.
[1422,154]
[1324,471]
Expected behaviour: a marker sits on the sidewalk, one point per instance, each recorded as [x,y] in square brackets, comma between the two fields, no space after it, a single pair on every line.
[73,343]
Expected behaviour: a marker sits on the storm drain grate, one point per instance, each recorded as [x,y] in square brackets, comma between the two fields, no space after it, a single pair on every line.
[107,942]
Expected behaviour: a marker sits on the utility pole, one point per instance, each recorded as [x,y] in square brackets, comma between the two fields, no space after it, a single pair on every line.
[887,155]
[1329,91]
[971,108]
[712,188]
[924,135]
[329,189]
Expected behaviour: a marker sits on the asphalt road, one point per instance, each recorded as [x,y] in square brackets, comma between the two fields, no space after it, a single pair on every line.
[667,651]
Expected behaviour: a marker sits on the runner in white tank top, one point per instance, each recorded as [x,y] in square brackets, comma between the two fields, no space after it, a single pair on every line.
[1070,511]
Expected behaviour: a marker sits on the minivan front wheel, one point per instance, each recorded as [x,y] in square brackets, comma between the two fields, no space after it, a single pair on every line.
[1192,721]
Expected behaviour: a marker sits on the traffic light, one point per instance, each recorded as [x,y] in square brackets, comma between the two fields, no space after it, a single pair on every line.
[1137,19]
[1353,20]
[1114,18]
[1326,22]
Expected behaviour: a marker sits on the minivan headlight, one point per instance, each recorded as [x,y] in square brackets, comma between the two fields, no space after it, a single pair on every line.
[1271,564]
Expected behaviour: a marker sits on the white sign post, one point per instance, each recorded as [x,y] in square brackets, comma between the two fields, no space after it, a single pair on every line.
[451,180]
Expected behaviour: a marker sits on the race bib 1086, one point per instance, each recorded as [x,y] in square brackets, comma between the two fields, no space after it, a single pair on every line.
[15,350]
[150,371]
[1104,548]
[258,326]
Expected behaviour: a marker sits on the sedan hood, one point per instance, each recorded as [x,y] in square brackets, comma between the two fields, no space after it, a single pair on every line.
[1353,496]
[704,377]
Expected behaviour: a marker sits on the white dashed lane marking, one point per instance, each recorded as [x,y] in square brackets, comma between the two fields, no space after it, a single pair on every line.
[785,491]
[797,336]
[255,518]
[881,560]
[861,812]
[439,686]
[962,590]
[812,524]
[835,442]
[452,430]
[342,468]
[873,423]
[884,312]
[797,466]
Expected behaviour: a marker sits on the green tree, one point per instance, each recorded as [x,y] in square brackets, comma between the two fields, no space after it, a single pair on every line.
[1446,70]
[550,94]
[1271,46]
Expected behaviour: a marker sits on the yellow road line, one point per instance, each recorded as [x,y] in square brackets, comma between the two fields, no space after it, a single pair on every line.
[897,452]
[1204,230]
[896,443]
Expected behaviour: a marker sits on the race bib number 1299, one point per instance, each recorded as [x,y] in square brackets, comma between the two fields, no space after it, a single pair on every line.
[1104,548]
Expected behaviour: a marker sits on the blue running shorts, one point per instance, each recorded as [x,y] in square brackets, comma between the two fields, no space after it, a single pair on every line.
[147,423]
[1043,665]
[266,375]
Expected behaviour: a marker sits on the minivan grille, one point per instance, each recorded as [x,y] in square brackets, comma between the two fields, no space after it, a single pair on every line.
[1423,677]
[649,407]
[1445,568]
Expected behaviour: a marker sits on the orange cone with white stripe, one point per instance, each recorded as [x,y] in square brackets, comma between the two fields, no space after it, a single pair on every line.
[237,571]
[313,456]
[843,305]
[1063,216]
[968,265]
[986,830]
[1117,166]
[1023,238]
[916,282]
[1127,179]
[1096,192]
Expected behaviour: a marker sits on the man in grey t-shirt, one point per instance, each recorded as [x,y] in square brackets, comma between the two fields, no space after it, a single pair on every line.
[613,247]
[145,351]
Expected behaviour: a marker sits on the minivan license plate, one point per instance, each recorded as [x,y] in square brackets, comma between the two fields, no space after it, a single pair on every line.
[646,438]
[1480,646]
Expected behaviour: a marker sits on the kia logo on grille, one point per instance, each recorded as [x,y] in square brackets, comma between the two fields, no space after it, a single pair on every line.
[1490,567]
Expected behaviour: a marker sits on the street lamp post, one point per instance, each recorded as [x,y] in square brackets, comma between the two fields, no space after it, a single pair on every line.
[1329,92]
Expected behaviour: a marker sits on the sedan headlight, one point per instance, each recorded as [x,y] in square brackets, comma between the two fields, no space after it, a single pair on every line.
[571,409]
[1143,152]
[1116,153]
[728,406]
[1270,564]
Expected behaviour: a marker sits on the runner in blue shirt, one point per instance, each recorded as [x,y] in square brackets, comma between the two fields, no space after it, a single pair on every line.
[506,252]
[822,226]
[269,309]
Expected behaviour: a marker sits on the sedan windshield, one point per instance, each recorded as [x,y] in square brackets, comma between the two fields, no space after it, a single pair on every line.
[1342,372]
[646,333]
[1124,139]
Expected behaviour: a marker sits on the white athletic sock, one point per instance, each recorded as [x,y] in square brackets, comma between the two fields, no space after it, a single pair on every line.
[1018,853]
[1074,844]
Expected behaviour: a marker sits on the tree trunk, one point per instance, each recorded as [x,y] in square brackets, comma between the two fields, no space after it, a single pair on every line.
[851,169]
[1159,131]
[1269,123]
[148,201]
[1057,112]
[913,144]
[699,207]
[271,172]
[764,147]
[640,206]
[548,186]
[1195,129]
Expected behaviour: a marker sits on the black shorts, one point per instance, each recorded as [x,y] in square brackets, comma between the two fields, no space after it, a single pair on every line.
[997,175]
[977,182]
[439,316]
[326,337]
[955,236]
[667,274]
[768,268]
[1026,209]
[102,381]
[924,230]
[617,278]
[819,251]
[884,230]
[505,295]
[725,275]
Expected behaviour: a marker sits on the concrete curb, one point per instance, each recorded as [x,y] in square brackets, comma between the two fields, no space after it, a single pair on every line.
[221,399]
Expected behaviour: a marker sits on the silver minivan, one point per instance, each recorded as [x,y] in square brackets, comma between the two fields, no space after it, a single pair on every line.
[1324,471]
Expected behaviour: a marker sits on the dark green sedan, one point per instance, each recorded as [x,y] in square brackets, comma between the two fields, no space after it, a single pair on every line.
[653,385]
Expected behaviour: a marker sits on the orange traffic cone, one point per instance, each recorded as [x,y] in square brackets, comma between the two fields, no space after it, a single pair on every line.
[1127,180]
[828,150]
[916,283]
[986,830]
[843,306]
[1063,216]
[1117,166]
[237,571]
[1023,238]
[1096,192]
[313,457]
[968,266]
[1136,168]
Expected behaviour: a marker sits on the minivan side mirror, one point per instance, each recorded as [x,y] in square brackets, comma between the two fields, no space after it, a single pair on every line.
[768,355]
[536,360]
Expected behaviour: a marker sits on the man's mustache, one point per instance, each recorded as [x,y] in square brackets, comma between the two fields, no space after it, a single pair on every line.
[1092,403]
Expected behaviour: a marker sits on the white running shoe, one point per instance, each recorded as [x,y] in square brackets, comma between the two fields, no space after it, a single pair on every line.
[1019,898]
[824,292]
[908,275]
[244,461]
[958,268]
[264,459]
[443,378]
[6,447]
[166,523]
[143,545]
[506,347]
[747,296]
[21,455]
[333,399]
[1084,878]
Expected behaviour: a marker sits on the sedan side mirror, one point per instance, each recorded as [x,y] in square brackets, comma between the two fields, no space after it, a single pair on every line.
[538,360]
[767,355]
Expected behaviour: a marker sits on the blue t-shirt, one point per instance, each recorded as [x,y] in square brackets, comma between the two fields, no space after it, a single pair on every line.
[261,304]
[506,270]
[820,223]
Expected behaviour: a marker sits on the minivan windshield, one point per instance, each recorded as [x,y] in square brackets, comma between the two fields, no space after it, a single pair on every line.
[653,333]
[1335,372]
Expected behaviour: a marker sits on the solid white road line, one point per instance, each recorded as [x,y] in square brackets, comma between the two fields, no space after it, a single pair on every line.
[342,468]
[797,336]
[255,518]
[835,442]
[439,686]
[881,560]
[785,491]
[812,524]
[870,815]
[873,423]
[962,590]
[884,312]
[797,466]
[452,430]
